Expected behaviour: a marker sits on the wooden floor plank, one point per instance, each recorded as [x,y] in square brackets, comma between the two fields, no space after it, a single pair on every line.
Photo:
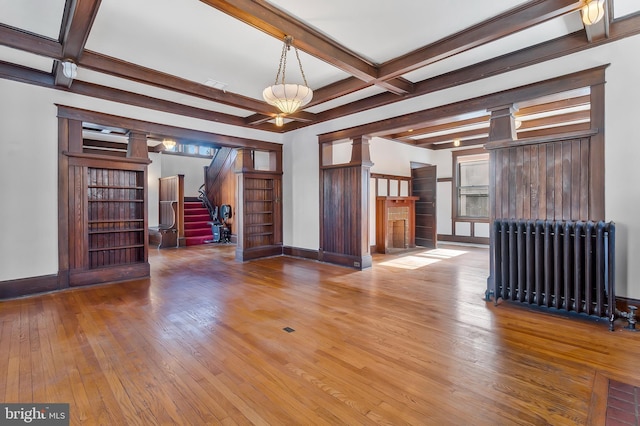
[409,341]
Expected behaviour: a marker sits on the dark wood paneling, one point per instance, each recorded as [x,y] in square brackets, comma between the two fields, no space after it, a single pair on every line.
[549,181]
[341,212]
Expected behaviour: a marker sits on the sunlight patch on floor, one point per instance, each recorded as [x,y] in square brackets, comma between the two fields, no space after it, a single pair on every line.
[422,259]
[410,262]
[442,253]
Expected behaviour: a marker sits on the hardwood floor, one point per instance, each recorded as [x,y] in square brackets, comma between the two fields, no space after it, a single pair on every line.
[410,341]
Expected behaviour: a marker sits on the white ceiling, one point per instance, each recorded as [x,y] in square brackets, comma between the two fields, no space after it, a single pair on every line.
[194,41]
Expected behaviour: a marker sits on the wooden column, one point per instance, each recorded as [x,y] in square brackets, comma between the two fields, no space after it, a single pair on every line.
[137,146]
[344,207]
[502,128]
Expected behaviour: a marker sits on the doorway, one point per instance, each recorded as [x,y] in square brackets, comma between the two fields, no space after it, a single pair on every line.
[423,184]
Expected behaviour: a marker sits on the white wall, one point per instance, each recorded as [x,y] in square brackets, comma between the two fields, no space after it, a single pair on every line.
[191,167]
[29,176]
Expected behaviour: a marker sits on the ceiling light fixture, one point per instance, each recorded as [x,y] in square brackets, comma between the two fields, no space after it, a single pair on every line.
[279,120]
[288,97]
[456,142]
[592,11]
[169,143]
[69,68]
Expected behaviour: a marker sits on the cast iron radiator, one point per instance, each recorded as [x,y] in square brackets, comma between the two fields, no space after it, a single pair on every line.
[563,265]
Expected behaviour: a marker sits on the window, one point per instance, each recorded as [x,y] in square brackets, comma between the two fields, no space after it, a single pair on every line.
[472,186]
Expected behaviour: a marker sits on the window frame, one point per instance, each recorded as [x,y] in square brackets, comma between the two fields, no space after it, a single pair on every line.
[455,186]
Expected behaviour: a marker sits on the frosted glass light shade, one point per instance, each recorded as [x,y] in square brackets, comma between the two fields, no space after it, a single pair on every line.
[593,12]
[69,69]
[287,97]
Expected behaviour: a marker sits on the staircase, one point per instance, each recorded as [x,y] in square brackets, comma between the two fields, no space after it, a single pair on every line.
[196,223]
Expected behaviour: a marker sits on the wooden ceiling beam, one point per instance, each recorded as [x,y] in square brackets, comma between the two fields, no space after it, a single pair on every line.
[523,133]
[555,119]
[430,128]
[554,106]
[274,22]
[477,133]
[78,21]
[463,144]
[32,43]
[83,15]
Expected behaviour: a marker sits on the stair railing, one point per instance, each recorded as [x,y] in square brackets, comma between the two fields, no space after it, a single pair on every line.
[202,196]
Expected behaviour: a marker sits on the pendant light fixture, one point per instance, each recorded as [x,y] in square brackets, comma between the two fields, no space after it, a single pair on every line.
[287,97]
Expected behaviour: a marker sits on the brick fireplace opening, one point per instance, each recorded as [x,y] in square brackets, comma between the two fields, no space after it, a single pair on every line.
[395,224]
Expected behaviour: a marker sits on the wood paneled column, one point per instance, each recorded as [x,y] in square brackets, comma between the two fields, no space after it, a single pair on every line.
[502,129]
[344,207]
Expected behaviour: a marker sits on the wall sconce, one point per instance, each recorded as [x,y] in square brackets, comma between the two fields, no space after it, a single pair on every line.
[69,68]
[592,11]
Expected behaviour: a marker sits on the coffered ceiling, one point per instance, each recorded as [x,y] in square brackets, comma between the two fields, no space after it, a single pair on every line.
[211,59]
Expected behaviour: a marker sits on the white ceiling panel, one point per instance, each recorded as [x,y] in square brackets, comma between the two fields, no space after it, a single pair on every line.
[625,7]
[43,17]
[383,30]
[29,60]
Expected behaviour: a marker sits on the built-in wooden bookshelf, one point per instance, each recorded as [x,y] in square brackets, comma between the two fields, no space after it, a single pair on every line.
[259,200]
[115,217]
[258,216]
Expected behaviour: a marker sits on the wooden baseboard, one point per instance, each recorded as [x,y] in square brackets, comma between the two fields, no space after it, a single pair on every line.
[357,262]
[459,239]
[623,303]
[25,286]
[258,252]
[300,252]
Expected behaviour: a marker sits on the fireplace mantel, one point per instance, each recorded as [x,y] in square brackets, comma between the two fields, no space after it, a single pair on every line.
[388,211]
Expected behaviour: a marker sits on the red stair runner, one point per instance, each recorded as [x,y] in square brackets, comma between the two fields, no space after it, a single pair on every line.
[196,224]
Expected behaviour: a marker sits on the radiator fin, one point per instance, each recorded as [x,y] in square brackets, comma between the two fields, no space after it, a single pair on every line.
[564,265]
